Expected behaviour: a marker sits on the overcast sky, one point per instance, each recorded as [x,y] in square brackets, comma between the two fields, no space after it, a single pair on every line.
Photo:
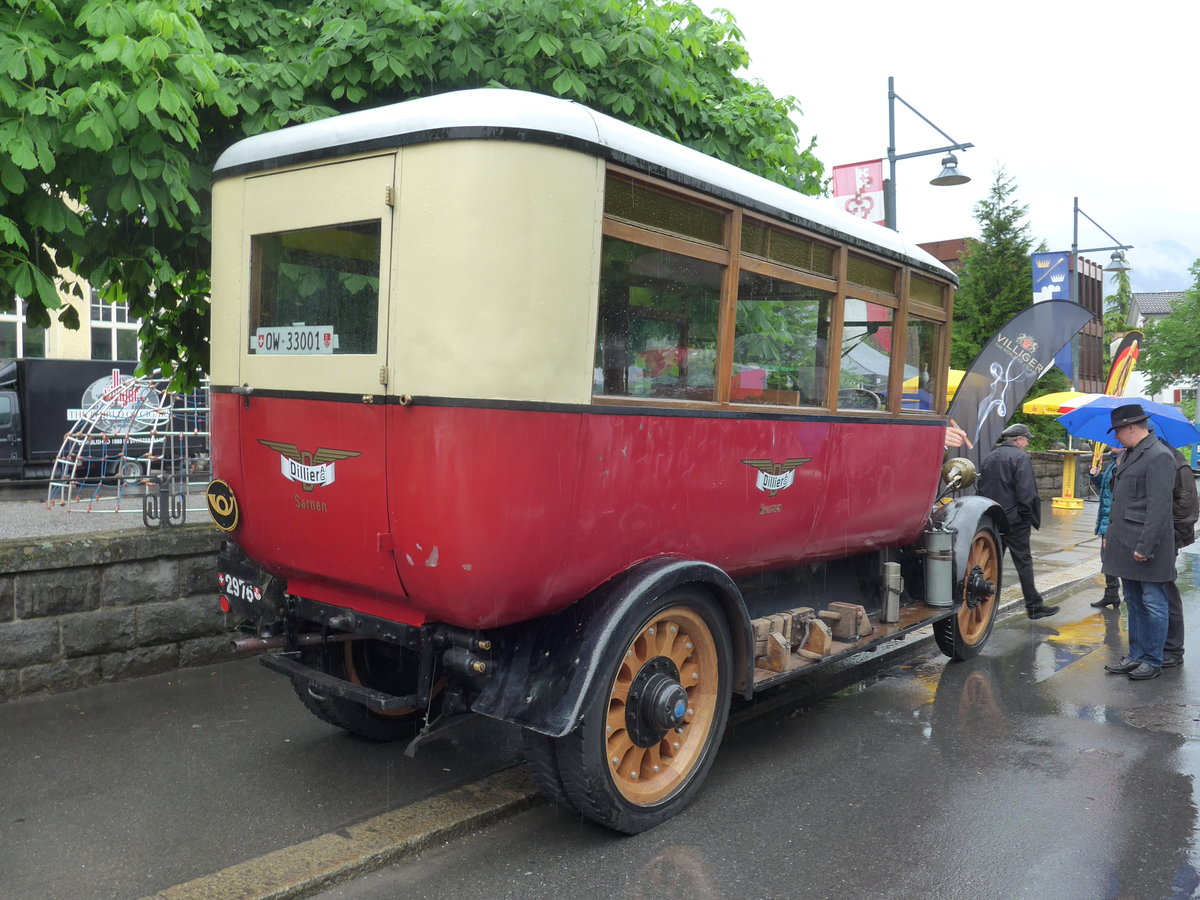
[1099,101]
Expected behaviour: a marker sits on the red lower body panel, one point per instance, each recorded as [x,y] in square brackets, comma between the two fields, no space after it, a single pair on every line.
[481,516]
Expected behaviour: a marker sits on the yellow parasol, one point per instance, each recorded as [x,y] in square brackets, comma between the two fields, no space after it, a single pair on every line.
[1057,403]
[955,379]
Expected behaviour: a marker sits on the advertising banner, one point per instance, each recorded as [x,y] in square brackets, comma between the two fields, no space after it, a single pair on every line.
[858,189]
[1051,276]
[1006,369]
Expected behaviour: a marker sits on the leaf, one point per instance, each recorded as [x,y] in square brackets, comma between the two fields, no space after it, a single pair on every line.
[11,234]
[147,97]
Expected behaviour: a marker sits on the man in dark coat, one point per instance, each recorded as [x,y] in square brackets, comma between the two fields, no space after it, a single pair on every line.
[1140,543]
[1006,475]
[1184,511]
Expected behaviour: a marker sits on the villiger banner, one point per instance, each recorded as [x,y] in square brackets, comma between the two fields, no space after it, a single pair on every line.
[1006,369]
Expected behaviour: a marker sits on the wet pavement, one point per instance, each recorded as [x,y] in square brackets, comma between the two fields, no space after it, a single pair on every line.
[1027,772]
[125,790]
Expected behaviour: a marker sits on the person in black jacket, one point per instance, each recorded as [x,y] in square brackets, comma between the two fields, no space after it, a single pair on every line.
[1006,475]
[1102,478]
[1184,510]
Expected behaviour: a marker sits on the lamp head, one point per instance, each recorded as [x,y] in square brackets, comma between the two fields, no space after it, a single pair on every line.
[950,174]
[1118,262]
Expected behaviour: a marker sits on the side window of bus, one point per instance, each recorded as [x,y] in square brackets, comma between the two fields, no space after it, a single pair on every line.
[316,291]
[920,364]
[866,355]
[657,329]
[780,348]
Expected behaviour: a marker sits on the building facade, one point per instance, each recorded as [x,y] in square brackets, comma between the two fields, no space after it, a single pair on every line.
[1088,369]
[106,331]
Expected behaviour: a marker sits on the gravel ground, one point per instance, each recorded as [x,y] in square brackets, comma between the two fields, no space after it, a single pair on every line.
[21,519]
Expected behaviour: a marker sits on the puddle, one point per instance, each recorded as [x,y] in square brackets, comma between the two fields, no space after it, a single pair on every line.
[1182,719]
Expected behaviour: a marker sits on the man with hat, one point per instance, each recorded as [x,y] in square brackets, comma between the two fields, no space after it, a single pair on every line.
[1140,543]
[1006,475]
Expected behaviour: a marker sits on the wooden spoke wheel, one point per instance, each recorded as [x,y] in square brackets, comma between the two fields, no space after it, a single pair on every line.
[962,635]
[653,725]
[661,706]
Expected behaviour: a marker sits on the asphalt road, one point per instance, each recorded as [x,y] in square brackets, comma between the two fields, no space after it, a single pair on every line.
[1028,772]
[217,783]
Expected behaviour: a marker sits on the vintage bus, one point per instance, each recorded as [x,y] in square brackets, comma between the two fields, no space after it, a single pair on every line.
[523,412]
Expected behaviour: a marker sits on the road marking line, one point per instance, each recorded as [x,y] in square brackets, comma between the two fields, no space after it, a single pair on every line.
[300,870]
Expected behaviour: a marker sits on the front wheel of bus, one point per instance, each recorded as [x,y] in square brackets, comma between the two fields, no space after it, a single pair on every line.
[962,635]
[650,733]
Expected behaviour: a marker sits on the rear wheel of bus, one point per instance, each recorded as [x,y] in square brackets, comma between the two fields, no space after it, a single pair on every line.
[650,732]
[373,664]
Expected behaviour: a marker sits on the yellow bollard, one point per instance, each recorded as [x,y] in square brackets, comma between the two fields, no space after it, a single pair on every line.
[1068,500]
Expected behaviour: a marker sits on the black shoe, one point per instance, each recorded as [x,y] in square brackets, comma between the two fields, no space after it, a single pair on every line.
[1170,662]
[1144,672]
[1040,611]
[1123,666]
[1114,602]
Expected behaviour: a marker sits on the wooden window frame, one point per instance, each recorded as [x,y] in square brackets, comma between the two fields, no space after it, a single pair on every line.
[837,285]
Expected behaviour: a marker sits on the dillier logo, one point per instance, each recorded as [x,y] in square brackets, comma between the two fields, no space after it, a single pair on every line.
[310,469]
[774,477]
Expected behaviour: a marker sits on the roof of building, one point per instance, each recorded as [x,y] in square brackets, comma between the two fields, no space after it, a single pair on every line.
[1157,304]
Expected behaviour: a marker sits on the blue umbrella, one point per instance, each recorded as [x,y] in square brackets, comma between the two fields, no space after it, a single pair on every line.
[1092,421]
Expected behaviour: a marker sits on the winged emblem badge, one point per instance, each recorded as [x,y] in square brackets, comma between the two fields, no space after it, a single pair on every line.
[308,468]
[774,477]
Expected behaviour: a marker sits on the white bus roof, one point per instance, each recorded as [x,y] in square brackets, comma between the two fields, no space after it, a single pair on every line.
[500,114]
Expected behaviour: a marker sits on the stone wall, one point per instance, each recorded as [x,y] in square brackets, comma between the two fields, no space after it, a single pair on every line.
[1048,470]
[78,611]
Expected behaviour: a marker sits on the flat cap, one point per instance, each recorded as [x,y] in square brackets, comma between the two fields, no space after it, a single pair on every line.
[1016,430]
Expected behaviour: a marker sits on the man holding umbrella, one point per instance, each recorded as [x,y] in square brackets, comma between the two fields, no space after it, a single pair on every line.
[1140,545]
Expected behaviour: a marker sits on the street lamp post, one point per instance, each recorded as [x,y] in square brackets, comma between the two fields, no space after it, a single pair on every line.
[1116,264]
[949,175]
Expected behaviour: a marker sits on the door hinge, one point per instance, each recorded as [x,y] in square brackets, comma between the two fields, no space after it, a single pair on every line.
[383,375]
[389,196]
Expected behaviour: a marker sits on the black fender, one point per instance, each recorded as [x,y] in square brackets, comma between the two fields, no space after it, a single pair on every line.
[963,515]
[543,671]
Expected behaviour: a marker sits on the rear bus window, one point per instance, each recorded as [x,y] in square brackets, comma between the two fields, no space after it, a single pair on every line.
[315,291]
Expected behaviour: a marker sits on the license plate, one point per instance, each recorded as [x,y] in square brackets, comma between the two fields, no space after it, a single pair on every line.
[294,339]
[240,587]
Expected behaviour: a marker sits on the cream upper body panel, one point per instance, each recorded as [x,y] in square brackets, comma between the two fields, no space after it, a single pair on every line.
[496,271]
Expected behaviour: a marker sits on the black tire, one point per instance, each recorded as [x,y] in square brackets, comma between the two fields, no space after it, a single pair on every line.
[375,664]
[541,755]
[630,782]
[962,635]
[132,472]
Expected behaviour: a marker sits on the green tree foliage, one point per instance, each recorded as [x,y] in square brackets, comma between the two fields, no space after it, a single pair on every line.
[1116,310]
[995,282]
[1172,352]
[112,113]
